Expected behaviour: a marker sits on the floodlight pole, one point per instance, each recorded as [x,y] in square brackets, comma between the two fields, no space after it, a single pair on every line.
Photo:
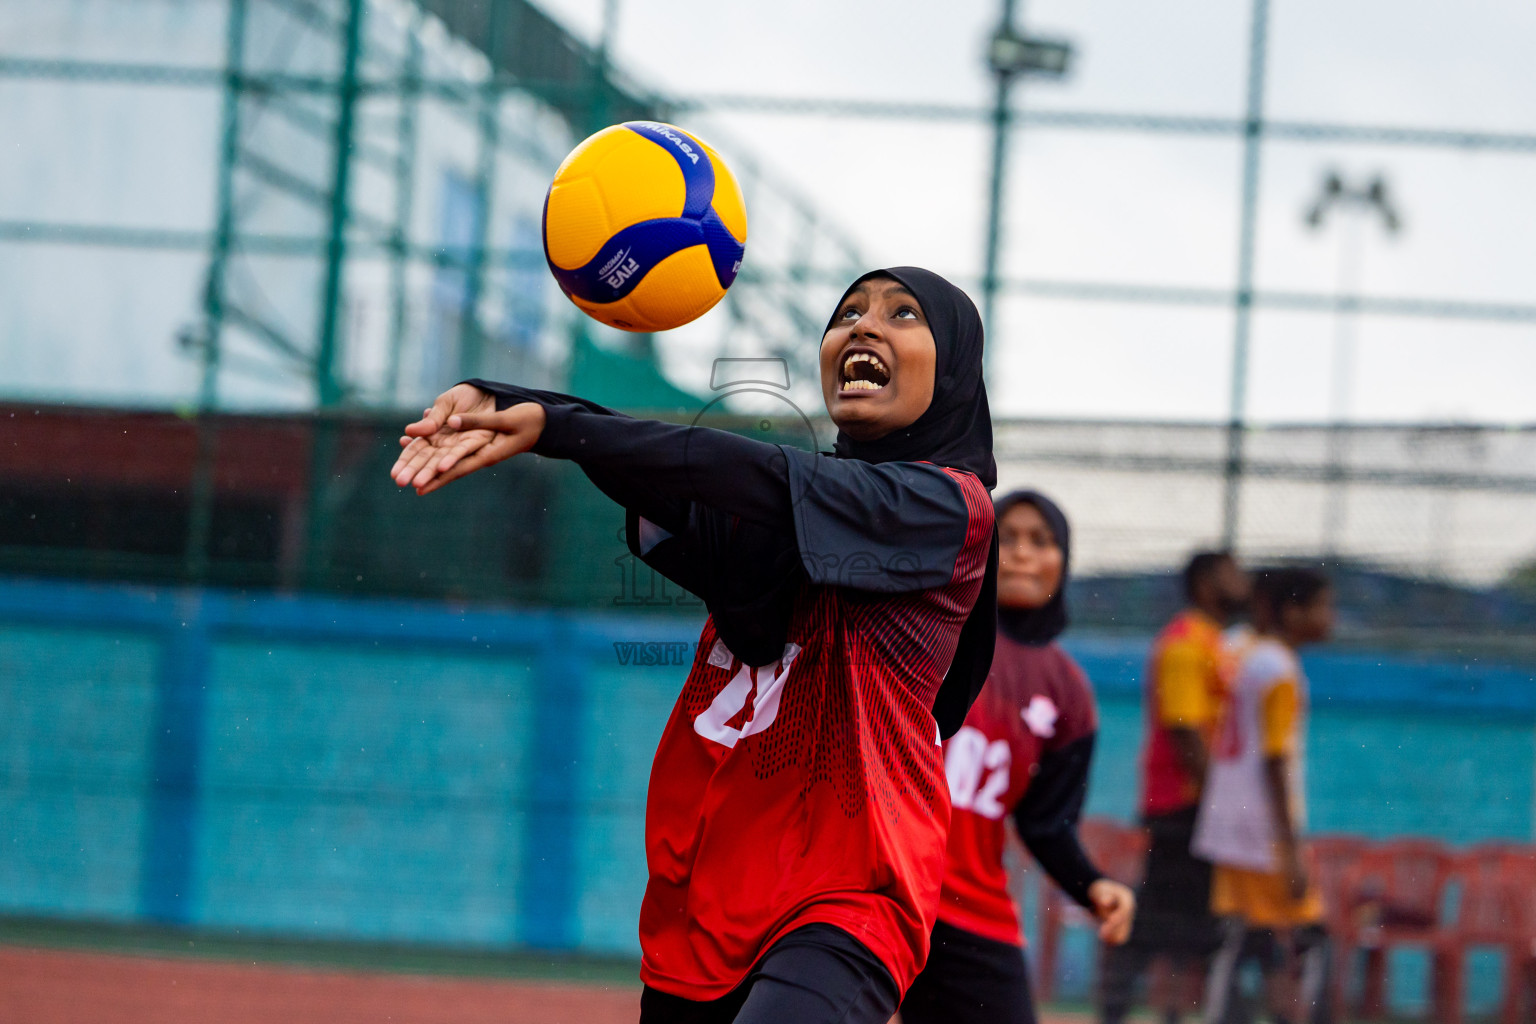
[1237,410]
[1356,205]
[1004,87]
[1010,55]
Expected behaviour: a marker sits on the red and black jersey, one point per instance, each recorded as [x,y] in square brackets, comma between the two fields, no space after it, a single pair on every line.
[1023,752]
[811,790]
[799,779]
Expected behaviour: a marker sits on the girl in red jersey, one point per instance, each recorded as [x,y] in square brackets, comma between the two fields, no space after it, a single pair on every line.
[1023,752]
[797,810]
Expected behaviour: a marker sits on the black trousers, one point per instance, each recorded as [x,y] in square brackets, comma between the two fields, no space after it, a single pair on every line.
[1173,915]
[970,980]
[817,974]
[1307,949]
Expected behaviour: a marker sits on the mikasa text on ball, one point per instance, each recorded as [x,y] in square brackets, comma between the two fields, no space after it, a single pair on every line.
[644,226]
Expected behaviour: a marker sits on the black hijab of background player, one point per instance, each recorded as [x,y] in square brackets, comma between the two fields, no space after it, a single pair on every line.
[1036,627]
[955,431]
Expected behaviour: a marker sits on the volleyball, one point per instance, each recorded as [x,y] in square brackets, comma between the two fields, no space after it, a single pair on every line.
[644,226]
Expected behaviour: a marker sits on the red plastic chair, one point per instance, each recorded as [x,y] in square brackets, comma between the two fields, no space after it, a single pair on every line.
[1522,965]
[1389,897]
[1120,851]
[1329,860]
[1495,908]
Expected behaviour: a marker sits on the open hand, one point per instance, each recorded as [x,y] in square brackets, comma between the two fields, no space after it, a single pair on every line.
[1115,907]
[461,433]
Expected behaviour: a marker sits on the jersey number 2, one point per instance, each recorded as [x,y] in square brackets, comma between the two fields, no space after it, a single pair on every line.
[969,757]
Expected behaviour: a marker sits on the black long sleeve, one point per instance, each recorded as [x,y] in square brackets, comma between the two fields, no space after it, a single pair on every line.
[649,460]
[724,471]
[893,527]
[626,490]
[1047,817]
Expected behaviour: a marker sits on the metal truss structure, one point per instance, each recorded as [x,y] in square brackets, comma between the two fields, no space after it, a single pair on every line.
[353,93]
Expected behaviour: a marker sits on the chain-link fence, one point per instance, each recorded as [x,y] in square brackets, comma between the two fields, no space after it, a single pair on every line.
[1456,504]
[283,204]
[1435,527]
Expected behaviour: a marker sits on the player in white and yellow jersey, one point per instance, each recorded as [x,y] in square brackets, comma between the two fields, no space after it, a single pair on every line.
[1252,810]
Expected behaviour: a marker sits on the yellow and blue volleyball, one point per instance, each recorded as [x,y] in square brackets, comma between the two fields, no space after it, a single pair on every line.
[644,226]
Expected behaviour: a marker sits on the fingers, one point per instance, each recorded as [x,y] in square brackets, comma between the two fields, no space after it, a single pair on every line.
[504,422]
[427,425]
[1115,906]
[461,433]
[416,455]
[1115,933]
[459,398]
[479,421]
[475,460]
[409,447]
[521,418]
[499,448]
[429,444]
[1115,927]
[478,459]
[466,443]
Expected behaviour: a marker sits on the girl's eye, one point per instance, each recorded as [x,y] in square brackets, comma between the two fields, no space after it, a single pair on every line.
[850,314]
[906,313]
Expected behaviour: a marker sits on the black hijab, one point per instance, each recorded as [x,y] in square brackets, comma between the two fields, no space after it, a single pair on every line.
[1036,627]
[955,431]
[748,574]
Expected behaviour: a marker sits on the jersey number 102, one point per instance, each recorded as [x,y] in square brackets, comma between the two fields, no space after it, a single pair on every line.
[969,757]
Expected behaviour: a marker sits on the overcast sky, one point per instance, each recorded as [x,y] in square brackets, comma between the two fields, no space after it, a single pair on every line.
[1144,209]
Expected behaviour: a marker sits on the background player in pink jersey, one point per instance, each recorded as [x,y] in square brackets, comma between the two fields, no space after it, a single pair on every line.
[797,813]
[1024,752]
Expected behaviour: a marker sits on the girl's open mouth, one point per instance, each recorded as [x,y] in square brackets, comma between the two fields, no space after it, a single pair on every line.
[863,370]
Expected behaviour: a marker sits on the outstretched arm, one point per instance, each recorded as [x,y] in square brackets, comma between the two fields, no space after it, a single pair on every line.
[1047,820]
[464,431]
[894,527]
[628,491]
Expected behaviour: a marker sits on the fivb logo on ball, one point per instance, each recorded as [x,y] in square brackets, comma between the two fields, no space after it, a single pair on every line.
[644,226]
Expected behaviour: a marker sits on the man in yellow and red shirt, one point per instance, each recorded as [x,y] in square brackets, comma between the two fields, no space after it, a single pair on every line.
[1186,682]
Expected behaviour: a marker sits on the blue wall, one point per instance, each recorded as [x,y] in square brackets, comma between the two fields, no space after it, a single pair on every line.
[1398,744]
[386,770]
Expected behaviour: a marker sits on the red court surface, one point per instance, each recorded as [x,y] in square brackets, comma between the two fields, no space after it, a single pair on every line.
[54,987]
[40,986]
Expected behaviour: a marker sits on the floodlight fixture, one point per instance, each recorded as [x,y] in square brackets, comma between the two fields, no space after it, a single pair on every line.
[1374,196]
[1010,54]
